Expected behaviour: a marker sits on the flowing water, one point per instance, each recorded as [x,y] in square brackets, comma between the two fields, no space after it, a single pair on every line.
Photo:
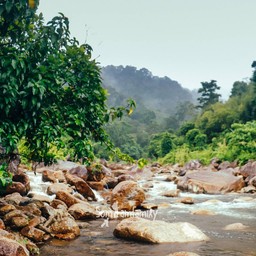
[97,237]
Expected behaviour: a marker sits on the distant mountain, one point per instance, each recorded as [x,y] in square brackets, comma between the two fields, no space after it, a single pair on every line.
[159,94]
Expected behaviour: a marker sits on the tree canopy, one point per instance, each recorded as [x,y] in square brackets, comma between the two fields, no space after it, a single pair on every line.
[51,91]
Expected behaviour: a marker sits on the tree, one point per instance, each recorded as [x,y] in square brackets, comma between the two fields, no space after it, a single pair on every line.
[239,88]
[208,95]
[51,91]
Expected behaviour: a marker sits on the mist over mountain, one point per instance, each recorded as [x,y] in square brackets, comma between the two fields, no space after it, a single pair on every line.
[159,94]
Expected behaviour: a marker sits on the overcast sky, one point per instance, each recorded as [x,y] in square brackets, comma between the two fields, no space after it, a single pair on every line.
[190,41]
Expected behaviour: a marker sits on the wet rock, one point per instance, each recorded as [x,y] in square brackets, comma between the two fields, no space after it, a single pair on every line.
[56,203]
[2,226]
[33,233]
[210,182]
[9,247]
[82,211]
[203,212]
[79,171]
[59,176]
[48,175]
[7,208]
[171,193]
[171,178]
[67,198]
[111,182]
[235,226]
[139,229]
[186,200]
[22,178]
[183,254]
[148,206]
[40,198]
[97,185]
[55,187]
[248,189]
[36,221]
[66,228]
[124,177]
[252,181]
[127,195]
[20,222]
[16,187]
[31,208]
[81,186]
[15,213]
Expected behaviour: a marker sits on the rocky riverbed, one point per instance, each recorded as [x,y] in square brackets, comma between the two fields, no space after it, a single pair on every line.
[158,210]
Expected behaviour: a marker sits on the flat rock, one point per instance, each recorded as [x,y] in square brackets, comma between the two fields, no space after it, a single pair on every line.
[210,182]
[157,231]
[235,226]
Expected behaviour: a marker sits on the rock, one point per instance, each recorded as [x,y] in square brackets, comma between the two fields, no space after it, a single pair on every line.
[36,221]
[193,165]
[22,178]
[186,200]
[56,203]
[66,228]
[81,186]
[31,208]
[47,175]
[82,211]
[224,165]
[158,231]
[20,222]
[252,181]
[124,177]
[33,233]
[9,247]
[183,254]
[171,178]
[41,198]
[111,182]
[79,171]
[7,208]
[210,182]
[148,206]
[203,212]
[127,195]
[15,213]
[248,189]
[235,226]
[97,185]
[16,187]
[171,193]
[2,226]
[249,170]
[16,199]
[55,187]
[59,176]
[67,198]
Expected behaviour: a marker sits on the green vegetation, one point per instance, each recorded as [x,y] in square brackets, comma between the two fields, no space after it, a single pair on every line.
[51,95]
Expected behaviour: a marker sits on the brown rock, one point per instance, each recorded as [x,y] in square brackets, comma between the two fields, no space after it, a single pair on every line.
[82,211]
[16,199]
[7,208]
[127,195]
[203,212]
[59,176]
[55,187]
[252,181]
[79,171]
[40,198]
[248,189]
[171,193]
[235,226]
[66,229]
[56,203]
[33,233]
[48,175]
[20,222]
[15,213]
[210,182]
[31,208]
[111,182]
[22,178]
[9,247]
[67,198]
[183,254]
[2,226]
[97,185]
[81,186]
[36,221]
[16,187]
[186,200]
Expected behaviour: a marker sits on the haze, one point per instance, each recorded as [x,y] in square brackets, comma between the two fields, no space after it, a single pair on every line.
[189,41]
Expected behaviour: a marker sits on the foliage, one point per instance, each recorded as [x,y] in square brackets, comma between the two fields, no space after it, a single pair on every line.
[51,88]
[239,88]
[208,95]
[5,177]
[166,144]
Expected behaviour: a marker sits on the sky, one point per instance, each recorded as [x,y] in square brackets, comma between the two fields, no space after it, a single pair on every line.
[190,41]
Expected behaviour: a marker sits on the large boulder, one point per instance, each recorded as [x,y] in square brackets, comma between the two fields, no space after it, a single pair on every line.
[55,187]
[79,171]
[81,186]
[144,230]
[249,170]
[10,247]
[210,182]
[67,198]
[127,195]
[82,211]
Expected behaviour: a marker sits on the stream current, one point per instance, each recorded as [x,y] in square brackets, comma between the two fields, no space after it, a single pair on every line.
[97,237]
